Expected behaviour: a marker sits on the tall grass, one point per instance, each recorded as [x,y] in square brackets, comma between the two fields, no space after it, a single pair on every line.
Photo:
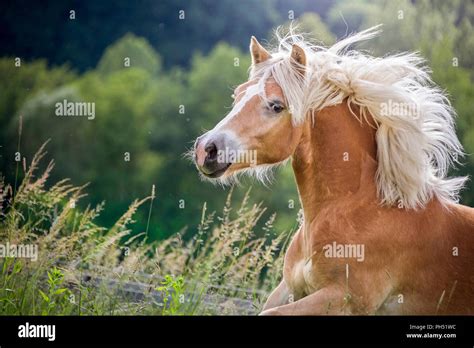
[85,269]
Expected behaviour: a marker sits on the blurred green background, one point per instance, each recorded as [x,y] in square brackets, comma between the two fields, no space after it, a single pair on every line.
[183,66]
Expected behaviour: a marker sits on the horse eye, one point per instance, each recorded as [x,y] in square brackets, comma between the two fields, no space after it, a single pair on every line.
[276,107]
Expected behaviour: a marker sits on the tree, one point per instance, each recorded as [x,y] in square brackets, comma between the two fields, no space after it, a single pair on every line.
[129,51]
[18,83]
[347,17]
[311,26]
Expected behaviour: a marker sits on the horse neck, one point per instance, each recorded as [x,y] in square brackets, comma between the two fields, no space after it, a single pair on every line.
[336,155]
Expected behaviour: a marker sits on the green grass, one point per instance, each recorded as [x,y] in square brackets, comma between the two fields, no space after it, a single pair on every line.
[182,275]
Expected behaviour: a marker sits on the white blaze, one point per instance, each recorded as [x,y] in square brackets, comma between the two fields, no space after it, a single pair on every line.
[250,92]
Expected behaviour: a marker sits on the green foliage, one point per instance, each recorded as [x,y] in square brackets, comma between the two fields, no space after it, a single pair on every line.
[57,296]
[312,26]
[349,16]
[78,260]
[129,51]
[311,23]
[150,118]
[172,292]
[18,84]
[223,69]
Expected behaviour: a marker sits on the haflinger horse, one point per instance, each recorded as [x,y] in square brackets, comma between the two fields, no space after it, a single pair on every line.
[371,141]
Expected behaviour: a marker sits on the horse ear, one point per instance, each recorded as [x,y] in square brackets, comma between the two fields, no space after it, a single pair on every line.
[258,53]
[298,58]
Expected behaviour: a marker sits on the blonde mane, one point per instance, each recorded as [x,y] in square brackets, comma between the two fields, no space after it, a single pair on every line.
[415,149]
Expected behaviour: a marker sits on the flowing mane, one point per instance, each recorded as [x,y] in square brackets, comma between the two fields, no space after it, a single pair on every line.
[366,136]
[416,137]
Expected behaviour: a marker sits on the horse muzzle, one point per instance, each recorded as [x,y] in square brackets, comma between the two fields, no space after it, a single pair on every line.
[209,155]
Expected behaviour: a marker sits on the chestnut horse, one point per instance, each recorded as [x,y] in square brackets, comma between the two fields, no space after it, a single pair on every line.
[371,141]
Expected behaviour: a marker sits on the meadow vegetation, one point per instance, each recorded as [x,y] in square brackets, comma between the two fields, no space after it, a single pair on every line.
[83,268]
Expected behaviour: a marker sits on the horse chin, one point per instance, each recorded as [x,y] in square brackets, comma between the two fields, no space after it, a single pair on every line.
[218,173]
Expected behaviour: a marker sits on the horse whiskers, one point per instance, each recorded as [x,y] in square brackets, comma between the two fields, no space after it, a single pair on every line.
[263,173]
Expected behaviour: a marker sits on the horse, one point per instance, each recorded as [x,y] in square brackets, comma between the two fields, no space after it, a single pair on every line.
[370,140]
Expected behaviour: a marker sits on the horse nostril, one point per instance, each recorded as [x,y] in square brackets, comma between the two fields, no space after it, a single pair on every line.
[211,150]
